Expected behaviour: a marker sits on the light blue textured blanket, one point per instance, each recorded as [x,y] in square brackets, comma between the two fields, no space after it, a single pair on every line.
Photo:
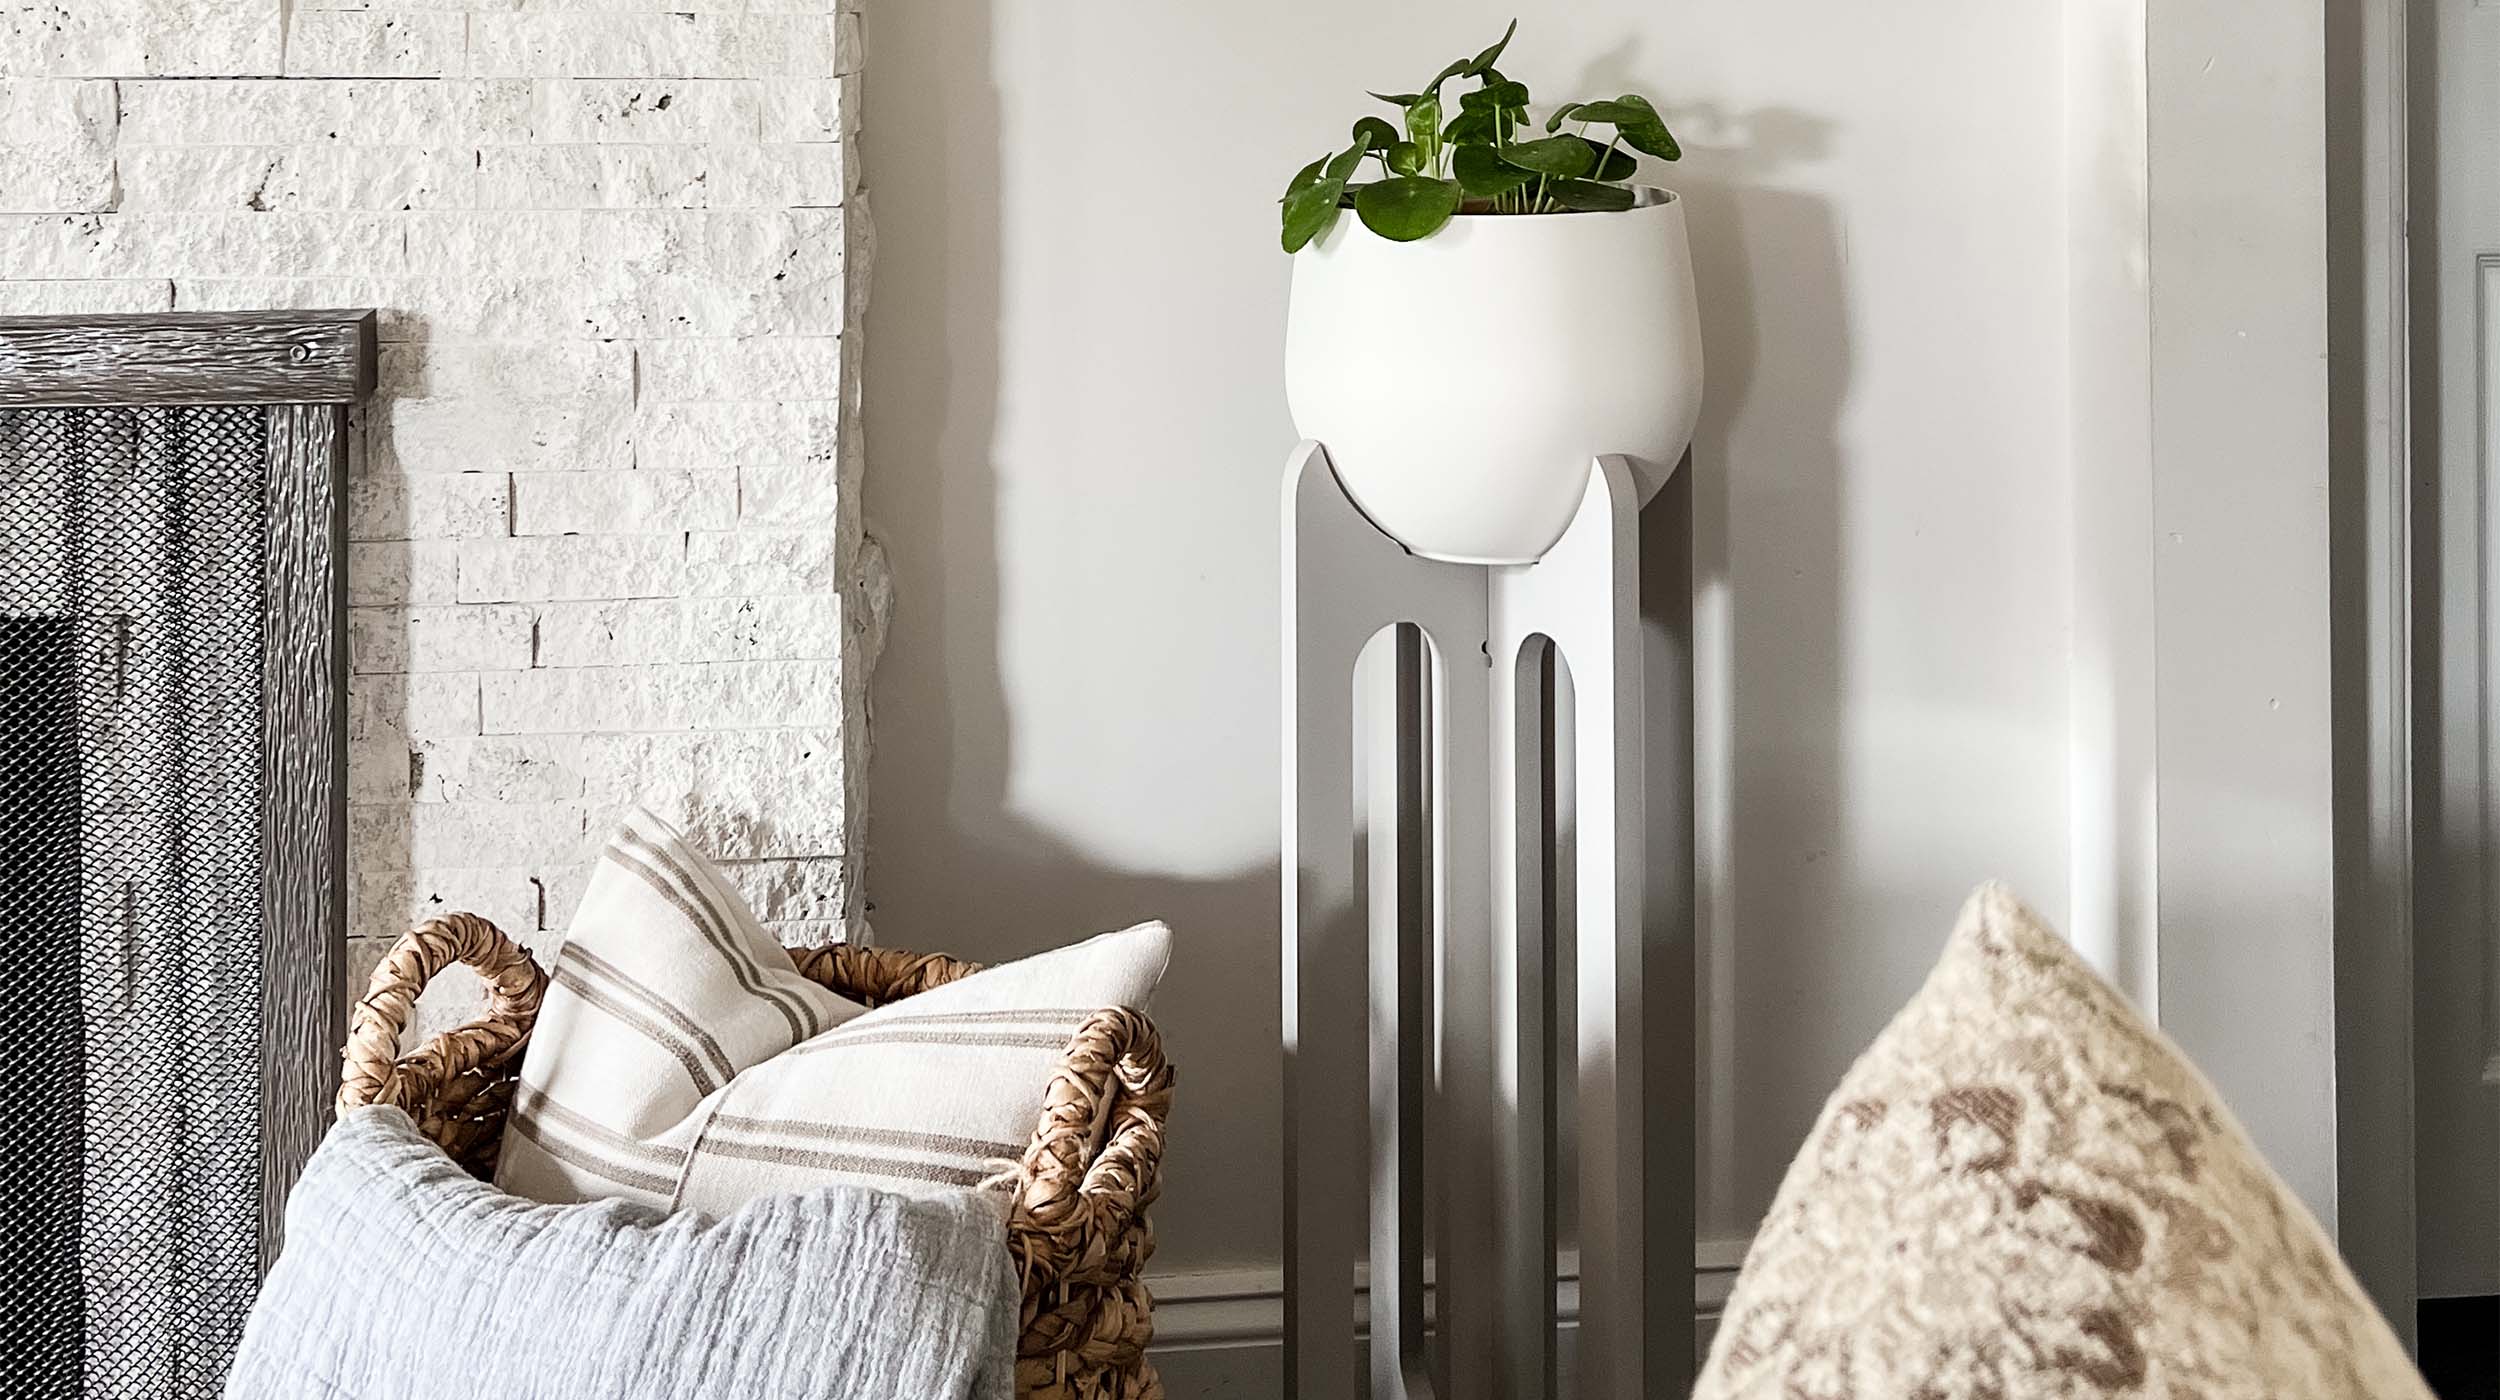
[405,1279]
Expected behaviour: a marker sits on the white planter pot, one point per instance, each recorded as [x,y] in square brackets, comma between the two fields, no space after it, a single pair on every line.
[1463,382]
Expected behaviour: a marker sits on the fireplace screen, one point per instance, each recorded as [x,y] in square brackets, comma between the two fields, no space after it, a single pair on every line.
[129,891]
[161,985]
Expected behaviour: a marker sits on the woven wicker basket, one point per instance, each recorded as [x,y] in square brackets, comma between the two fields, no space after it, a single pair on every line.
[1078,1230]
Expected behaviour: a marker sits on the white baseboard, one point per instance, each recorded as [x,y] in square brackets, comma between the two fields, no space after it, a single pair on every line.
[1222,1333]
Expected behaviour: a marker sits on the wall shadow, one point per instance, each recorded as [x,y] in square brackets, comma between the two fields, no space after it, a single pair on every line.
[953,865]
[1768,565]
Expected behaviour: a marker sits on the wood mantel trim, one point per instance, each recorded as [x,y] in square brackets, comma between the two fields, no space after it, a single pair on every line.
[186,357]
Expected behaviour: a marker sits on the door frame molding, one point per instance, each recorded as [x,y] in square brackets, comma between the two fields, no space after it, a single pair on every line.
[2372,509]
[2244,704]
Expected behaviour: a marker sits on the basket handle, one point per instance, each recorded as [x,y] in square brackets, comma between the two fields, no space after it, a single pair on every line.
[876,976]
[1077,1203]
[373,1070]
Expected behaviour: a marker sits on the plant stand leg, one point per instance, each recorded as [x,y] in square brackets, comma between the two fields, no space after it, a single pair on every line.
[1345,584]
[1420,918]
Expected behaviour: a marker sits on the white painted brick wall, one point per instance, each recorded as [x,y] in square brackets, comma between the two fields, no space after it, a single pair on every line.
[604,515]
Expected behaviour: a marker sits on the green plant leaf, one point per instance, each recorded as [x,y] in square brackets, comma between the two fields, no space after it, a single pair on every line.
[1423,122]
[1484,61]
[1471,67]
[1505,95]
[1311,208]
[1405,158]
[1563,114]
[1622,109]
[1310,213]
[1560,157]
[1651,137]
[1589,196]
[1398,99]
[1305,177]
[1340,167]
[1482,174]
[1408,207]
[1643,129]
[1381,134]
[1476,128]
[1616,165]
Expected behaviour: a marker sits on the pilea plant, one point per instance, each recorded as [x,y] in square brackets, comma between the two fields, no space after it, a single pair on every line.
[1483,159]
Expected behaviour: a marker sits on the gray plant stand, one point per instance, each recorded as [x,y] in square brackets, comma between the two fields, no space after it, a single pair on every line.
[1434,859]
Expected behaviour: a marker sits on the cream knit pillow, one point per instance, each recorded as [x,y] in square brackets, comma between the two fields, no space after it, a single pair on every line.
[681,1060]
[2021,1191]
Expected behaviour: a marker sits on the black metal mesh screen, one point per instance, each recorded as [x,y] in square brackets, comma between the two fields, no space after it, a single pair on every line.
[131,545]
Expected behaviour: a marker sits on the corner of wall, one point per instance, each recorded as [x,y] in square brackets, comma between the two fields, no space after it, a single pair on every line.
[2114,816]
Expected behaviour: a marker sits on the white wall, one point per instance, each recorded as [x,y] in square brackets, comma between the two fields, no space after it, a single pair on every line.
[1076,408]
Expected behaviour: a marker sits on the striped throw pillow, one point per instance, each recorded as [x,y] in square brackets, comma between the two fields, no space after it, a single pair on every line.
[680,1059]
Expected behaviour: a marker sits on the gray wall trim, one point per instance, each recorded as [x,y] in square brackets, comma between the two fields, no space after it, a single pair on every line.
[303,796]
[187,358]
[2371,509]
[1222,1333]
[2454,219]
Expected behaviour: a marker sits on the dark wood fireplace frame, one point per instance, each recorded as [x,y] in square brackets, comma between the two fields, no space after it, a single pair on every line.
[305,368]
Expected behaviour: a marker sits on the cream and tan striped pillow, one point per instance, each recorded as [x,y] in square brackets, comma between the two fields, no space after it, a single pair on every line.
[681,1060]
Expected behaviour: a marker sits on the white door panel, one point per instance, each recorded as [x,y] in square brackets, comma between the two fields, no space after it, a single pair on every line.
[2456,266]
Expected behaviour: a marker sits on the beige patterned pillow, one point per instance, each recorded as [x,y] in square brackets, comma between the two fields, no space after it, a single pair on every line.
[681,1060]
[2022,1191]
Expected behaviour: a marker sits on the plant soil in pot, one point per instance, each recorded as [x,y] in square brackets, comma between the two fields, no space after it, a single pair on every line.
[1504,307]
